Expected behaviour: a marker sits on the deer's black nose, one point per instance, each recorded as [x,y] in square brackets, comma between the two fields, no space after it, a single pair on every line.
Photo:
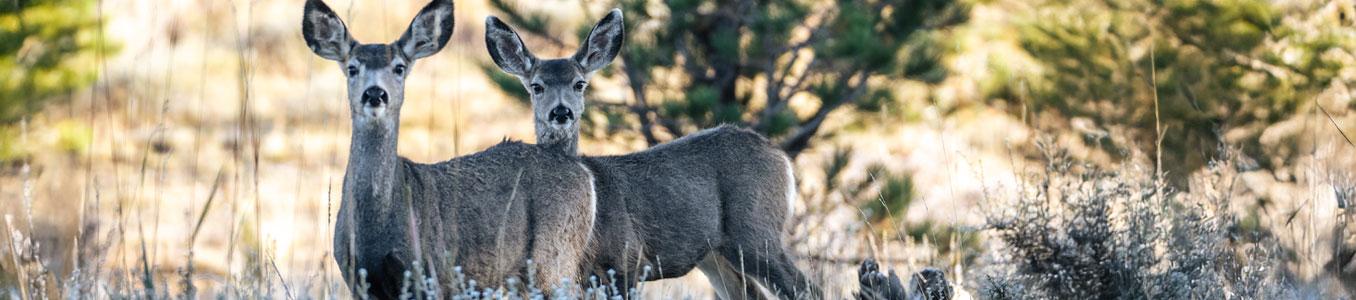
[374,96]
[560,114]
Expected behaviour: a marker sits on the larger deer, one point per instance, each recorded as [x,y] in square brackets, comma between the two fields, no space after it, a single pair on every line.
[716,200]
[487,212]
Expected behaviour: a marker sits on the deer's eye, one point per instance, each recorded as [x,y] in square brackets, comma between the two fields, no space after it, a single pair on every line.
[537,89]
[399,70]
[352,71]
[579,86]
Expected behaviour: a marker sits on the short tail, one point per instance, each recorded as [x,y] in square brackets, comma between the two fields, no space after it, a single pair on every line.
[792,193]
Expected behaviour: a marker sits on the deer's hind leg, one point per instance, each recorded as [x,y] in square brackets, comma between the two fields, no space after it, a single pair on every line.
[727,280]
[756,206]
[758,253]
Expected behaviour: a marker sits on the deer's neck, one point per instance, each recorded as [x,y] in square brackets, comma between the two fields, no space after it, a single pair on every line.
[372,174]
[566,139]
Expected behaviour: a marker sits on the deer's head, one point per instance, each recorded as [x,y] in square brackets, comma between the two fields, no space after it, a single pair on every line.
[556,85]
[376,72]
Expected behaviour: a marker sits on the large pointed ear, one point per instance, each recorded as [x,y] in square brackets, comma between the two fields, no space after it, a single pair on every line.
[506,48]
[430,30]
[603,44]
[325,34]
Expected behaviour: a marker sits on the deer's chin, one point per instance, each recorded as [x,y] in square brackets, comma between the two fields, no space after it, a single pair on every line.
[374,116]
[373,112]
[554,133]
[561,128]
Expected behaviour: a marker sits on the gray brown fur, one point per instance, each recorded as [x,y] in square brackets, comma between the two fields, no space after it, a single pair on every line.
[474,211]
[722,191]
[717,199]
[487,212]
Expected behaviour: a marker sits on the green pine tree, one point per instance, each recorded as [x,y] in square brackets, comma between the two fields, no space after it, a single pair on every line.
[1206,68]
[47,50]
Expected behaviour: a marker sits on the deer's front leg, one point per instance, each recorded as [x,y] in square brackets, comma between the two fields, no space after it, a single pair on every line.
[563,231]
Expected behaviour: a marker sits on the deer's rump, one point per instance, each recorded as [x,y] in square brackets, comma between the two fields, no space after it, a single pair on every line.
[673,204]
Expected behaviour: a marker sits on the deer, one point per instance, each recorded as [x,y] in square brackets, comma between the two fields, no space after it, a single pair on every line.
[482,215]
[717,200]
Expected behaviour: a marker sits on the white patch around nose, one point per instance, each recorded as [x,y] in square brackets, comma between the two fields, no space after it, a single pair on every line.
[374,112]
[562,126]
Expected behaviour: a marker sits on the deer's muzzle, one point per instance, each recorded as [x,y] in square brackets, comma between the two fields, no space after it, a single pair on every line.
[375,96]
[560,114]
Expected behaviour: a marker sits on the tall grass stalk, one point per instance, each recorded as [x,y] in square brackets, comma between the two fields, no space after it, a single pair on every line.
[19,270]
[189,288]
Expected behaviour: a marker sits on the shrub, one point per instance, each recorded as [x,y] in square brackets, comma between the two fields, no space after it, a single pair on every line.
[1078,231]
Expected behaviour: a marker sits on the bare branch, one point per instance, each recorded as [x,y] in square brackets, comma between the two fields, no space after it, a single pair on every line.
[1334,123]
[798,141]
[641,108]
[526,23]
[853,260]
[672,126]
[777,81]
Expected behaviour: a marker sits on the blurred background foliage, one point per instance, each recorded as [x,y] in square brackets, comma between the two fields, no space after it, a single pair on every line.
[47,52]
[1204,72]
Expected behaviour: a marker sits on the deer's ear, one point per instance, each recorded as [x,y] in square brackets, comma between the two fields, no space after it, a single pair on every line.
[603,44]
[325,34]
[430,30]
[506,48]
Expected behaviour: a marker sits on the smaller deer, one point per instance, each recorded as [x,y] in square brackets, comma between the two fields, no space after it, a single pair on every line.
[716,200]
[487,212]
